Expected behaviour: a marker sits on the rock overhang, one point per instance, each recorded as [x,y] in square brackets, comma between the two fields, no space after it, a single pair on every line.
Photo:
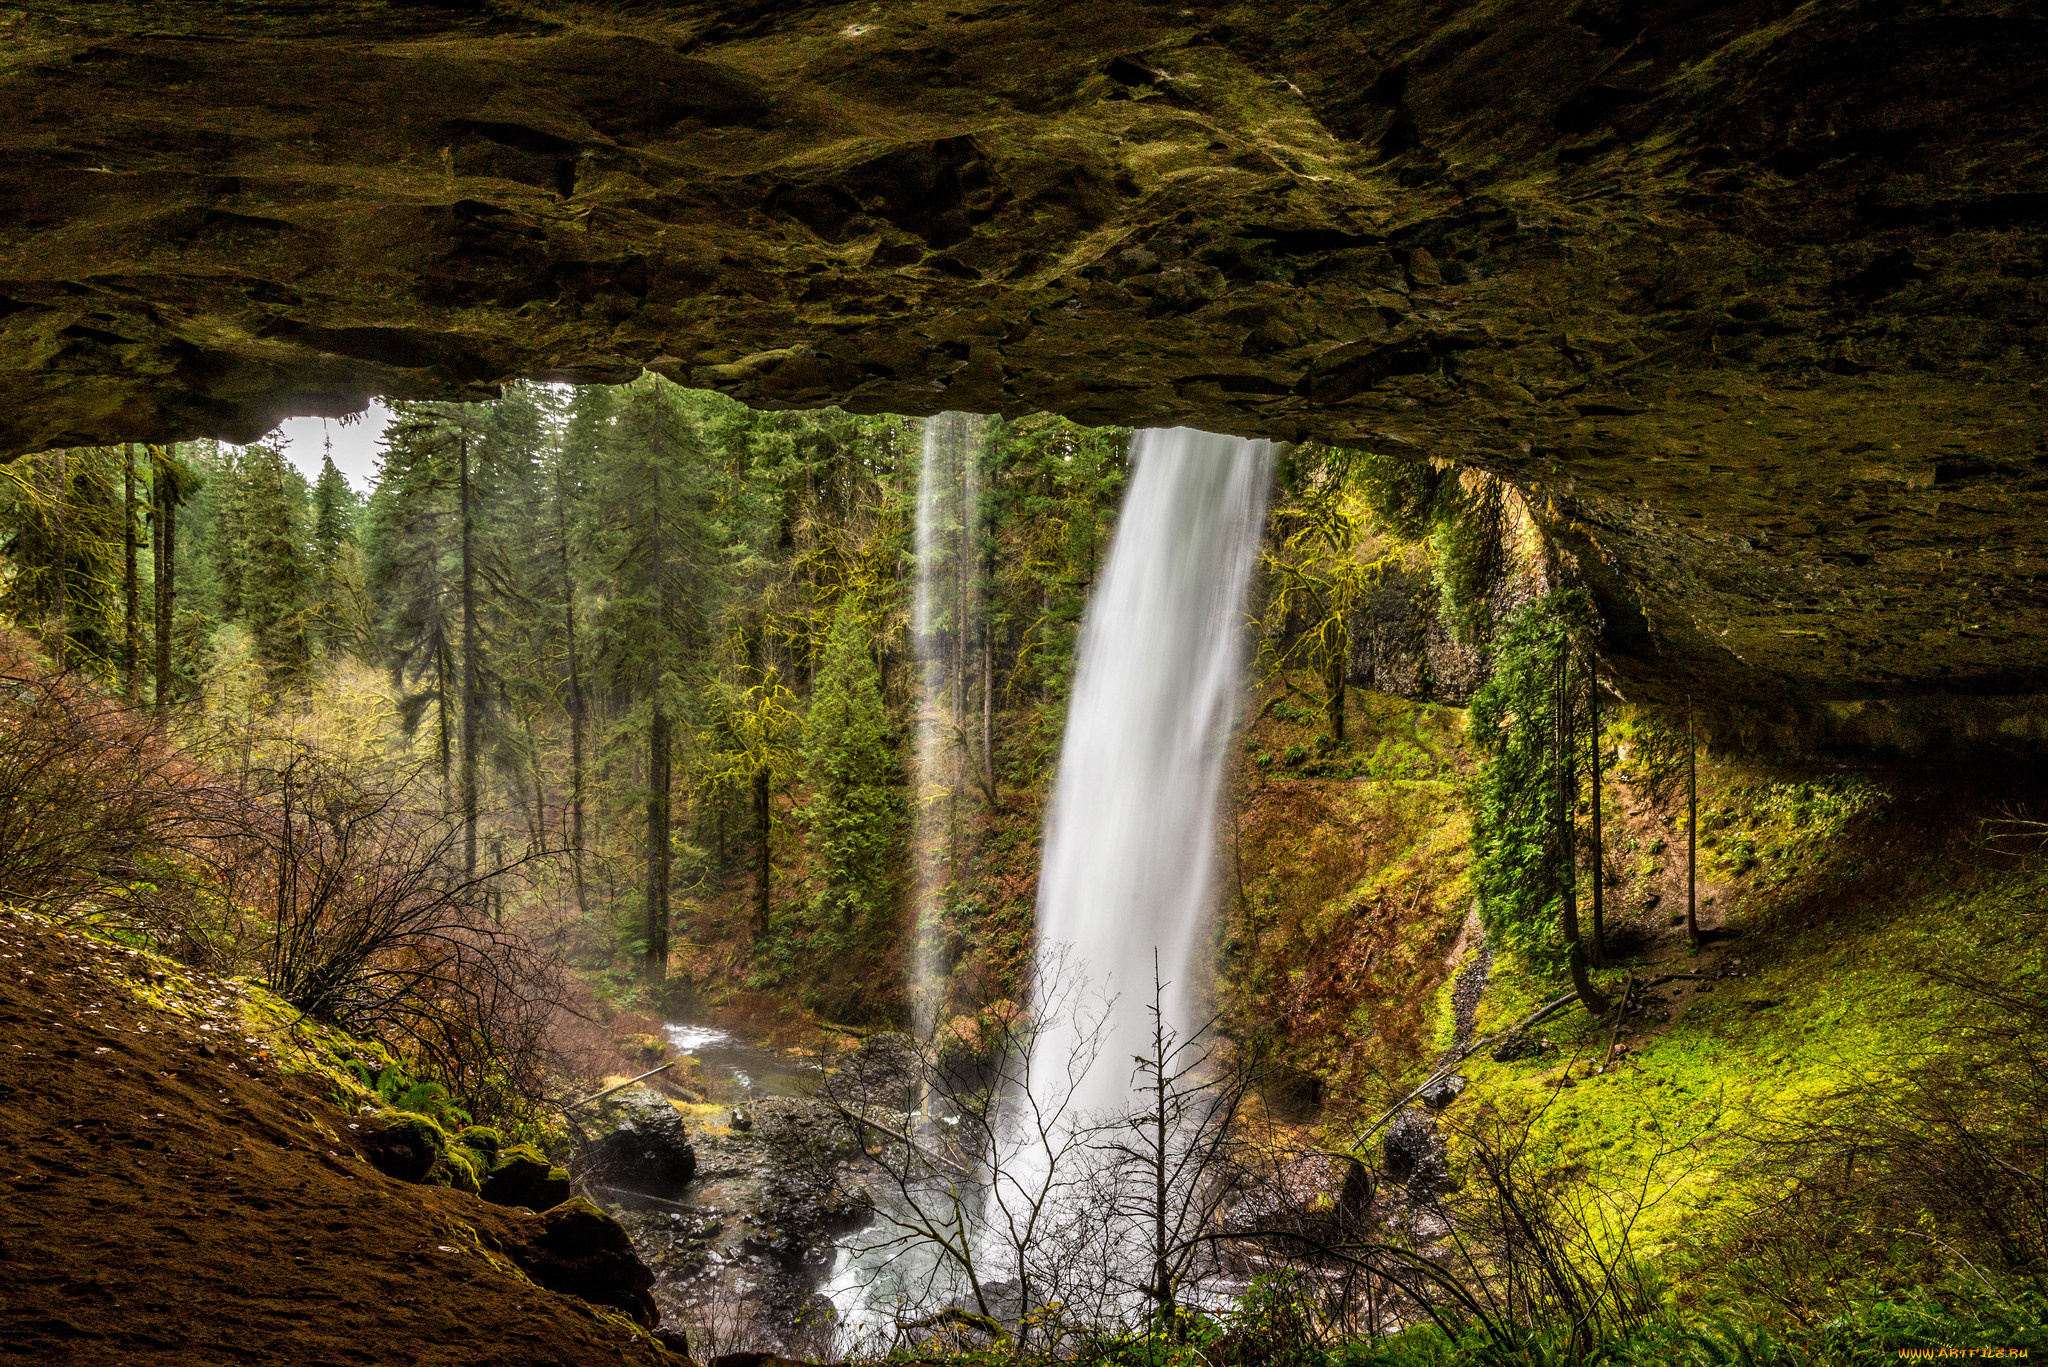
[1748,300]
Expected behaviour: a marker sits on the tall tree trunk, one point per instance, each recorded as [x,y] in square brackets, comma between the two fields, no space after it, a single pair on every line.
[444,670]
[762,814]
[131,584]
[1692,833]
[469,645]
[60,558]
[1599,838]
[575,699]
[1162,1272]
[160,612]
[1567,831]
[988,714]
[164,482]
[658,783]
[1334,681]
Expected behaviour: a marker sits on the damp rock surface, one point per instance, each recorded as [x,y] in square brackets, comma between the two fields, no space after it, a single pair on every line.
[1748,302]
[638,1141]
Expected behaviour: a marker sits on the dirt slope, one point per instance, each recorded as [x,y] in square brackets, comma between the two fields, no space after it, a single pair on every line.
[168,1199]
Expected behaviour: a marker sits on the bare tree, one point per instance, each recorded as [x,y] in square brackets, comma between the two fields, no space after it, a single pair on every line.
[1172,1157]
[984,1173]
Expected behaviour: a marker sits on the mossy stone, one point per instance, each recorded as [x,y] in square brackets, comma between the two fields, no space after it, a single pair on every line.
[403,1144]
[522,1176]
[485,1139]
[578,1249]
[464,1168]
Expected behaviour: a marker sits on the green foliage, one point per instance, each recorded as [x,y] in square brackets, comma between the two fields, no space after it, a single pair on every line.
[1465,521]
[260,541]
[399,1090]
[1318,571]
[60,517]
[855,812]
[1406,497]
[1512,722]
[1471,545]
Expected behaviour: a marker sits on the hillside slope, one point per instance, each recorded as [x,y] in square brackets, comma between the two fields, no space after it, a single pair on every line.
[172,1197]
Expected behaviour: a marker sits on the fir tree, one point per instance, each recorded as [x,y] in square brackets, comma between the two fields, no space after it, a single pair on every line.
[855,811]
[656,543]
[270,566]
[334,511]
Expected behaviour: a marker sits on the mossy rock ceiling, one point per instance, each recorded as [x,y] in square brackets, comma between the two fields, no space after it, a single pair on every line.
[1748,297]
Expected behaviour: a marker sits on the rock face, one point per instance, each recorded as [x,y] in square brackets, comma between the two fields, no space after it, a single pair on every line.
[642,1144]
[1748,300]
[579,1250]
[1400,645]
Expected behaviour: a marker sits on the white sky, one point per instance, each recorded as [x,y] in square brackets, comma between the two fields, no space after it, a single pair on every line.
[355,444]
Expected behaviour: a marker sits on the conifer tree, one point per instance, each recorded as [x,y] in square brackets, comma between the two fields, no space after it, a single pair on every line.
[410,525]
[655,542]
[271,573]
[334,511]
[131,583]
[855,813]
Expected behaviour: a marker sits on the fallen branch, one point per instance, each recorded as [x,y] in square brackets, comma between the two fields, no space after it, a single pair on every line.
[622,1197]
[1443,1070]
[599,1096]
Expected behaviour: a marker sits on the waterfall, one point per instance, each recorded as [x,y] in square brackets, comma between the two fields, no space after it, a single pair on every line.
[1130,836]
[941,613]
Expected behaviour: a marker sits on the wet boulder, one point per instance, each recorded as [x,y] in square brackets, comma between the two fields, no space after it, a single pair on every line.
[1442,1091]
[887,1070]
[579,1250]
[401,1144]
[639,1143]
[522,1176]
[1412,1154]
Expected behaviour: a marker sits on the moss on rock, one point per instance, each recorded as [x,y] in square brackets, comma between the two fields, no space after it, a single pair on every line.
[522,1176]
[403,1145]
[578,1249]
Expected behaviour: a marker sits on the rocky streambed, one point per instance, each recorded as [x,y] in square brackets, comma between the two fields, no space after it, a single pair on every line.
[737,1200]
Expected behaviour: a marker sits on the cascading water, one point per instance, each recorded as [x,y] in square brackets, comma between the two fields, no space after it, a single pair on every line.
[1130,837]
[940,612]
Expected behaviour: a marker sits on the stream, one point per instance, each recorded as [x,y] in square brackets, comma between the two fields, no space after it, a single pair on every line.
[755,1252]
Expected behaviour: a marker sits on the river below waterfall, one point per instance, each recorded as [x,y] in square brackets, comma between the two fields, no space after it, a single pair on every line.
[763,1248]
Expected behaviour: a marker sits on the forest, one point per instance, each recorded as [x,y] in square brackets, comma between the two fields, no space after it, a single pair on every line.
[613,711]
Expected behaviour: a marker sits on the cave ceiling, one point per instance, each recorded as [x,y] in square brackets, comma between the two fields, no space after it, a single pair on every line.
[1750,299]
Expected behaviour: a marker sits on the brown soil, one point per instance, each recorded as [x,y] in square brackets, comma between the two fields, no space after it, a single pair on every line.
[166,1199]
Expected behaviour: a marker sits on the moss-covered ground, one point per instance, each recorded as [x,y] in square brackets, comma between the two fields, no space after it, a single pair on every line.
[1834,900]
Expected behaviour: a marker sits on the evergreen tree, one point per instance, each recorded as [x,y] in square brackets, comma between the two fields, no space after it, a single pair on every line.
[1524,720]
[411,523]
[62,513]
[657,544]
[270,563]
[855,813]
[334,511]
